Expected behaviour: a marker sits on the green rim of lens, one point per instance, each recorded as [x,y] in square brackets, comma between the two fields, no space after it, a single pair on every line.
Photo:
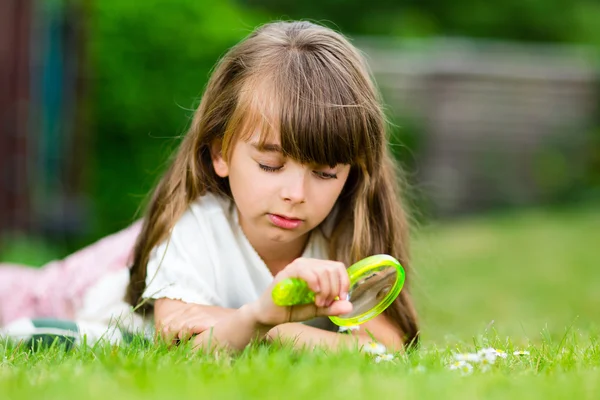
[364,267]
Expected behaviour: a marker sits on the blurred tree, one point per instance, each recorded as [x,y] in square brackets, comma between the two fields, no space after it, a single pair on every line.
[150,64]
[532,20]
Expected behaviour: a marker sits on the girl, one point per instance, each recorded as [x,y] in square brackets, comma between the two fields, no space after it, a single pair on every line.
[284,172]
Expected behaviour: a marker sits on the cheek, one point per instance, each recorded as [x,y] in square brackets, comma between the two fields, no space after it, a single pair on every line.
[249,186]
[330,195]
[327,195]
[339,184]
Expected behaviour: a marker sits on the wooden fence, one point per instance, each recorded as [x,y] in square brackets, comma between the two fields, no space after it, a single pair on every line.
[500,123]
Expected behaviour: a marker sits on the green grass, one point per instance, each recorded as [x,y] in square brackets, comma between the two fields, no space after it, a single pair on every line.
[526,280]
[519,273]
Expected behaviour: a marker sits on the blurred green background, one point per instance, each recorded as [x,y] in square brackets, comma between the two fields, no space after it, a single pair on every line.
[112,85]
[493,110]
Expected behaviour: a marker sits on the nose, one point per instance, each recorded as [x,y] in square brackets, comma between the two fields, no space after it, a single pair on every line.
[294,187]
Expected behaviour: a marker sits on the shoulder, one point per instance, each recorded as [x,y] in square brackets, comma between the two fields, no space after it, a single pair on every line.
[192,233]
[185,265]
[205,213]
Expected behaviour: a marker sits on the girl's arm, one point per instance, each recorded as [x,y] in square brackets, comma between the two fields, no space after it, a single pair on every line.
[328,279]
[175,319]
[307,336]
[234,331]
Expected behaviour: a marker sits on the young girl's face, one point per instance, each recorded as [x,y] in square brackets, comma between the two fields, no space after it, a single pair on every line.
[279,199]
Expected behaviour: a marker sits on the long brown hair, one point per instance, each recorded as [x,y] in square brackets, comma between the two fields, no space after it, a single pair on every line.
[309,85]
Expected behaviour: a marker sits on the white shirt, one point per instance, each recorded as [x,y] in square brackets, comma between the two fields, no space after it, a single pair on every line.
[208,259]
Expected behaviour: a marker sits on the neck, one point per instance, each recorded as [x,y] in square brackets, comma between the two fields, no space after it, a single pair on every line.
[279,255]
[276,255]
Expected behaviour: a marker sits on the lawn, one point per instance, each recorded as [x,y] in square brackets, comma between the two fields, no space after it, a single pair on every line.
[520,281]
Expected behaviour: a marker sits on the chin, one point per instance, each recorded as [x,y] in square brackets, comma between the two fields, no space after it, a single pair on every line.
[281,237]
[284,236]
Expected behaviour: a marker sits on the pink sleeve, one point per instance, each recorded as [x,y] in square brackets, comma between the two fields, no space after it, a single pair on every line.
[57,288]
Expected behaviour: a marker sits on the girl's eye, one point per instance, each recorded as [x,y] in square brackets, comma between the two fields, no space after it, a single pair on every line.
[268,168]
[325,175]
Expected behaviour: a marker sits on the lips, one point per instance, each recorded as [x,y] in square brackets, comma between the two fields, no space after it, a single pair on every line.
[285,222]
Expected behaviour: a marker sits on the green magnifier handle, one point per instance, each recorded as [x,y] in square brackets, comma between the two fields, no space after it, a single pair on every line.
[291,292]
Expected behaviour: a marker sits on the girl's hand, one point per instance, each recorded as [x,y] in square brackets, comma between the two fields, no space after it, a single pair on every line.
[328,279]
[177,321]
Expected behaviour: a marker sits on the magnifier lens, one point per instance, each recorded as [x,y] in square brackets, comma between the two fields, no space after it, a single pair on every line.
[374,284]
[371,289]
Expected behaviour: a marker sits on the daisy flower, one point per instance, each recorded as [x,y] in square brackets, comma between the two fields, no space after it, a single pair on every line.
[520,353]
[462,366]
[488,358]
[384,357]
[501,353]
[374,348]
[470,357]
[490,352]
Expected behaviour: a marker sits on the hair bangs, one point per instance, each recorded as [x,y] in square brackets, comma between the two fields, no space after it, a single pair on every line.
[312,114]
[321,132]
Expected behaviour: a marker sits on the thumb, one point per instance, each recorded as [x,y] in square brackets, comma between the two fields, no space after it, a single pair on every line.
[336,308]
[310,311]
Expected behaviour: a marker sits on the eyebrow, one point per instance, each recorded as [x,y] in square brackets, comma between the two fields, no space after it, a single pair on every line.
[270,147]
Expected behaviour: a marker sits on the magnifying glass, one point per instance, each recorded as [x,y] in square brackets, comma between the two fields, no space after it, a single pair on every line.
[375,282]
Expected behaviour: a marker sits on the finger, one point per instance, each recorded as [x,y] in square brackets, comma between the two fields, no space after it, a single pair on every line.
[198,326]
[336,308]
[334,279]
[312,280]
[302,312]
[168,323]
[185,332]
[309,311]
[168,335]
[344,283]
[325,282]
[176,330]
[173,337]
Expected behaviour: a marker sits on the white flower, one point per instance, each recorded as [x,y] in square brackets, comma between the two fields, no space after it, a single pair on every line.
[488,359]
[374,348]
[462,366]
[384,357]
[472,357]
[488,356]
[521,353]
[487,350]
[501,353]
[350,328]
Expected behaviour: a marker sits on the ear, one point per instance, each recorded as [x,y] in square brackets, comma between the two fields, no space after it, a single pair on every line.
[219,164]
